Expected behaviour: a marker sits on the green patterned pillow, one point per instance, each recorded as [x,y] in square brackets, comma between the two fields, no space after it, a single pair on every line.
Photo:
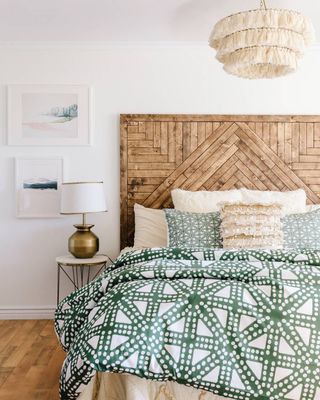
[302,230]
[186,229]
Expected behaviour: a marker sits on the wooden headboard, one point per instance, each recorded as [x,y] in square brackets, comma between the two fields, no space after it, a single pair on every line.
[214,152]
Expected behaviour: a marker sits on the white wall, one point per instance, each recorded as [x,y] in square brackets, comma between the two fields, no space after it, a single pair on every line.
[125,79]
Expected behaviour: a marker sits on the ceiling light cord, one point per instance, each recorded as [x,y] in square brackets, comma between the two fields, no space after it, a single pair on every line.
[263,4]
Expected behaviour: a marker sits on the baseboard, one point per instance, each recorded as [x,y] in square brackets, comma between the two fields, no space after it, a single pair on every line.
[27,312]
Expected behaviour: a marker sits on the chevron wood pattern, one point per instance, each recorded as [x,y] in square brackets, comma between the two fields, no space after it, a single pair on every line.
[214,152]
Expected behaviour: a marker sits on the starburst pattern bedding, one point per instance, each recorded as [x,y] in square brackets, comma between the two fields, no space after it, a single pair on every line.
[240,324]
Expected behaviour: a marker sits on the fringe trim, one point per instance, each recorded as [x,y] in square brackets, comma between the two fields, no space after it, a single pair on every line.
[259,71]
[254,231]
[260,37]
[249,242]
[270,18]
[251,210]
[261,55]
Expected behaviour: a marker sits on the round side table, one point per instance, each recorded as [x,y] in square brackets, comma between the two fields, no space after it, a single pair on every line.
[80,273]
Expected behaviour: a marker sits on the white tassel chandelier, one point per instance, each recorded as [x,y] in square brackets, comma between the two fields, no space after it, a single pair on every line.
[261,43]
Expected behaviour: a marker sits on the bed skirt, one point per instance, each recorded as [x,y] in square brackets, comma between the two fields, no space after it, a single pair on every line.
[106,386]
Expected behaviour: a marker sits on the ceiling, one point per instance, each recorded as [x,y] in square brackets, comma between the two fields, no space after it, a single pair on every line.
[125,20]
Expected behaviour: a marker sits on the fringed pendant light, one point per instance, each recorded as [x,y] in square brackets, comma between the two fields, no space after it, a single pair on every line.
[261,43]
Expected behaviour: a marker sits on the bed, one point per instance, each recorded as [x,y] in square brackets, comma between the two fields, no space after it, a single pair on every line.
[201,322]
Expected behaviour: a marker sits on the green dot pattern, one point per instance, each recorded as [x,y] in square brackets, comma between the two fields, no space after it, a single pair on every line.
[240,324]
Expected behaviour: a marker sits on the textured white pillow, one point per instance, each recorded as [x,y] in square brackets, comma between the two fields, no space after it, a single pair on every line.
[203,201]
[292,202]
[251,226]
[150,227]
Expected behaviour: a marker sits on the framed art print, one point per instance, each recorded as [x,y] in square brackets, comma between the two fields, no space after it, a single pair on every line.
[38,182]
[49,115]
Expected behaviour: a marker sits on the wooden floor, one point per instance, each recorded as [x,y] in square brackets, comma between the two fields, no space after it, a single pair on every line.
[30,360]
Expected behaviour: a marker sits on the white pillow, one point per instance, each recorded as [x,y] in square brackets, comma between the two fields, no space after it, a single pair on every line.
[293,202]
[312,207]
[150,227]
[203,201]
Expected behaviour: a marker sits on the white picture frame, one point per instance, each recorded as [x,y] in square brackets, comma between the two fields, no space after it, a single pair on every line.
[38,186]
[49,115]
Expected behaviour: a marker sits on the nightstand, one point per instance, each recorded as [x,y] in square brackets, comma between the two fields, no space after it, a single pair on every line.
[80,269]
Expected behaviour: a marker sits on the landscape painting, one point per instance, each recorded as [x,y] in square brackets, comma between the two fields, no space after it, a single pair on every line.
[49,115]
[38,183]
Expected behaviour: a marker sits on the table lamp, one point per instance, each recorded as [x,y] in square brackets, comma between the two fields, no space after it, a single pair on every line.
[83,198]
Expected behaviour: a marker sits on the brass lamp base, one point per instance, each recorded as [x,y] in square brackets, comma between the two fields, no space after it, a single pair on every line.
[83,243]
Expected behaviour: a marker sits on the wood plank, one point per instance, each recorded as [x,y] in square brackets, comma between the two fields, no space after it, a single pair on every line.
[178,143]
[266,133]
[151,165]
[306,166]
[186,140]
[137,151]
[147,157]
[287,143]
[317,131]
[303,138]
[313,152]
[136,136]
[145,181]
[193,136]
[258,129]
[217,118]
[171,142]
[201,132]
[149,130]
[157,135]
[138,173]
[140,143]
[281,140]
[209,129]
[164,138]
[310,135]
[274,137]
[295,153]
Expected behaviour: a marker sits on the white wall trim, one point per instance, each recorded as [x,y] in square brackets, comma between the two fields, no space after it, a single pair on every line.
[105,45]
[46,312]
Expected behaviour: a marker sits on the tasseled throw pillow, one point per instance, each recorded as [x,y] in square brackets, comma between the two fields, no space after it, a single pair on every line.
[251,226]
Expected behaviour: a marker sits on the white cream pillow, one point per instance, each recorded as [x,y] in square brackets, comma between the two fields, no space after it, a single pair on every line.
[150,227]
[292,202]
[203,201]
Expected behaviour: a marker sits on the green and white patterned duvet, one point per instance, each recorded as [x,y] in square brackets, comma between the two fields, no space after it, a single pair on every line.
[241,324]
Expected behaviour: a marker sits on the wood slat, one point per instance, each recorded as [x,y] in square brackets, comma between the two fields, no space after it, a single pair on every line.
[197,152]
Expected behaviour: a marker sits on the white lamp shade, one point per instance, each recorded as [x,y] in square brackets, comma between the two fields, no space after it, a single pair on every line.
[82,198]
